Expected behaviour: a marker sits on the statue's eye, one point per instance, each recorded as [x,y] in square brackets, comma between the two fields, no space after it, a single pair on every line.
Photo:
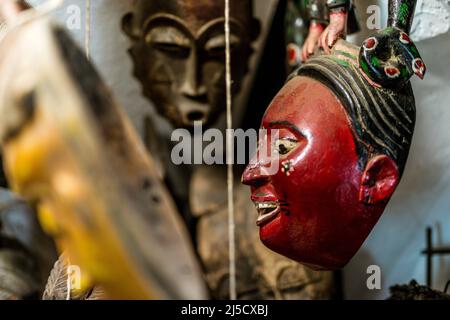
[169,40]
[284,146]
[216,46]
[171,49]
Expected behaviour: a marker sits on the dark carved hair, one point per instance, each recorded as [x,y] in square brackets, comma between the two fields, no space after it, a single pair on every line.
[383,120]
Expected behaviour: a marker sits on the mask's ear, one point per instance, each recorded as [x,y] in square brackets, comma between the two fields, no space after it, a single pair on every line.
[128,26]
[379,180]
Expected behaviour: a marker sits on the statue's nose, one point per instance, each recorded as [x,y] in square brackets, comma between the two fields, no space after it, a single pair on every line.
[193,86]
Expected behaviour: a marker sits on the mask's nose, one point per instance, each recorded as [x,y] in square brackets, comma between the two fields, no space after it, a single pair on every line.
[255,174]
[264,164]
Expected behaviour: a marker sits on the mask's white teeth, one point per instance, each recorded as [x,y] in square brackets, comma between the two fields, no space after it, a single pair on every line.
[265,205]
[266,212]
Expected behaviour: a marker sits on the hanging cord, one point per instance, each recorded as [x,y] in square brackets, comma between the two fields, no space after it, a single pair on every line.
[230,153]
[87,29]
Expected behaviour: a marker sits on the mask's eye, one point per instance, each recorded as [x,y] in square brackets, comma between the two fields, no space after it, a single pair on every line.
[285,145]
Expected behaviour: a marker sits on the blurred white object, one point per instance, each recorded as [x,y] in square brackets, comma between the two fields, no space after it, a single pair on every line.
[432,19]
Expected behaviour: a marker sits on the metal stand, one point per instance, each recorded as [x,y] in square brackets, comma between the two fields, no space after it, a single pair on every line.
[430,252]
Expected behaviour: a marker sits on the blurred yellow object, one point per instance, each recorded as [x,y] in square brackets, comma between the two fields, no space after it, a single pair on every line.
[71,151]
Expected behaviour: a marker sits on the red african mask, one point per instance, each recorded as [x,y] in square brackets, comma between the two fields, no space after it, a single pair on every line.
[342,146]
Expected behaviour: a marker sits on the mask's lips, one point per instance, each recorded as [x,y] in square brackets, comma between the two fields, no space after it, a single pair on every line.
[267,211]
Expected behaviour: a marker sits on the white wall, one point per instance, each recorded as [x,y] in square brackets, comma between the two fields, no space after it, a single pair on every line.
[108,50]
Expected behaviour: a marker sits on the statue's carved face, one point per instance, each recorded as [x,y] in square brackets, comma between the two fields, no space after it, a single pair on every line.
[321,205]
[179,54]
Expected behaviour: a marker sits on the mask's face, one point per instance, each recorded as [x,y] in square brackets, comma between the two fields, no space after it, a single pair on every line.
[320,206]
[179,55]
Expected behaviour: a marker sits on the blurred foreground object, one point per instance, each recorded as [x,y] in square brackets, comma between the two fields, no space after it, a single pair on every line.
[26,252]
[69,149]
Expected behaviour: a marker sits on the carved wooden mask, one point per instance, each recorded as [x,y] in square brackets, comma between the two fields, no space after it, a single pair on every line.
[342,146]
[345,122]
[178,48]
